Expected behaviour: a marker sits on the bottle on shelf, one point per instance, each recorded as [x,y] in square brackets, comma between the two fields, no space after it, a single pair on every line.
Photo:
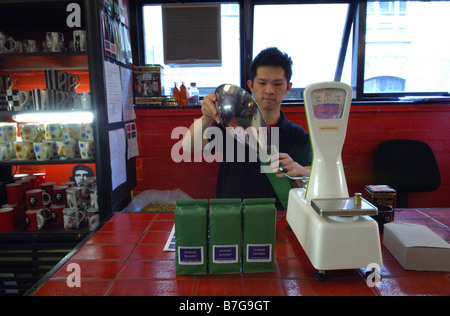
[193,94]
[183,94]
[176,94]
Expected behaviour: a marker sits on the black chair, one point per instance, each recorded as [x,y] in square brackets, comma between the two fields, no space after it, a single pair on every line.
[406,166]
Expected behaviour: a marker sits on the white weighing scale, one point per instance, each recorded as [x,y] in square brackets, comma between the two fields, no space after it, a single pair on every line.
[335,230]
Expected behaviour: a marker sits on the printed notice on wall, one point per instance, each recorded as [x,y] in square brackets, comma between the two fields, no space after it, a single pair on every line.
[113,92]
[132,144]
[117,148]
[127,94]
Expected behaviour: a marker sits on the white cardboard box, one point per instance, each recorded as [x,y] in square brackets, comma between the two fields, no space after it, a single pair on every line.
[416,247]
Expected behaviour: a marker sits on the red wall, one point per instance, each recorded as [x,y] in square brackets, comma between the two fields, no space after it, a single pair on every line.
[368,125]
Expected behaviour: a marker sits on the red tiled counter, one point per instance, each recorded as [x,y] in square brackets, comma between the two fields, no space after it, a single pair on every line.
[126,257]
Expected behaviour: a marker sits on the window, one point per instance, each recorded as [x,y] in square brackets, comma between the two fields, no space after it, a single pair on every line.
[406,49]
[403,49]
[310,33]
[206,77]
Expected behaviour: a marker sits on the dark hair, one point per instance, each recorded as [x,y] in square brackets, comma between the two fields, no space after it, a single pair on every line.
[272,56]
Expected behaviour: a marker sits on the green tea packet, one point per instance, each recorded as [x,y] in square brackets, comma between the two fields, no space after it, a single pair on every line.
[191,236]
[224,236]
[259,221]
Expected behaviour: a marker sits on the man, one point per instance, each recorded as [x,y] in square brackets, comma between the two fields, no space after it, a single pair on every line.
[271,73]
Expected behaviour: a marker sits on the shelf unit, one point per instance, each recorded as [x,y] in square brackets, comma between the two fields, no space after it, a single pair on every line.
[39,17]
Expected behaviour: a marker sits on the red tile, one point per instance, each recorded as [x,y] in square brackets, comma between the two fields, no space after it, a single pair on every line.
[262,287]
[161,226]
[407,286]
[219,287]
[334,287]
[91,269]
[156,269]
[60,288]
[238,287]
[391,268]
[289,251]
[165,216]
[107,237]
[408,213]
[103,252]
[151,252]
[130,217]
[155,238]
[295,268]
[151,288]
[286,236]
[436,212]
[125,226]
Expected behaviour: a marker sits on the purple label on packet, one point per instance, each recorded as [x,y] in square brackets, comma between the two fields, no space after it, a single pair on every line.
[259,253]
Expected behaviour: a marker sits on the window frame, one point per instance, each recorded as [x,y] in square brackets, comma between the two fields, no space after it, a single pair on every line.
[356,20]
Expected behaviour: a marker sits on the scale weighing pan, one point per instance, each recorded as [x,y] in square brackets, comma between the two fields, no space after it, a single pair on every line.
[343,207]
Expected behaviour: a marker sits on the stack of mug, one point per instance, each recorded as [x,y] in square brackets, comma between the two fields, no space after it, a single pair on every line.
[46,141]
[37,204]
[54,42]
[59,94]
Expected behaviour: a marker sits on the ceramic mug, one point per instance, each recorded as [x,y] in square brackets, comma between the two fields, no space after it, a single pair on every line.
[6,219]
[73,81]
[6,150]
[35,219]
[87,149]
[31,132]
[72,131]
[7,44]
[8,132]
[54,131]
[54,41]
[40,99]
[48,187]
[74,197]
[15,193]
[72,218]
[6,83]
[30,46]
[37,199]
[94,198]
[45,150]
[55,79]
[86,101]
[60,195]
[57,217]
[93,218]
[58,100]
[87,131]
[24,150]
[79,41]
[68,149]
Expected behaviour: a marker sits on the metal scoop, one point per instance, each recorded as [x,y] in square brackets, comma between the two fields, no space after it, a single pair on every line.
[241,117]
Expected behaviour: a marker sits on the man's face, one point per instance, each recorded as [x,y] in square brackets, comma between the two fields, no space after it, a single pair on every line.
[80,175]
[269,87]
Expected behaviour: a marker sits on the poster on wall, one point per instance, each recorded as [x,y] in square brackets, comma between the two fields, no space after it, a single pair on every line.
[61,173]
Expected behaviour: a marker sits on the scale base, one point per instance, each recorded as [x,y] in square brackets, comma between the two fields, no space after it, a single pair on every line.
[333,243]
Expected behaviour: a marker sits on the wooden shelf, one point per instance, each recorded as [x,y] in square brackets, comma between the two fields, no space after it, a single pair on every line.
[41,61]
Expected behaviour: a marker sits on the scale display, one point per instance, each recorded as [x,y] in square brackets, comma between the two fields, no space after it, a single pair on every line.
[328,103]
